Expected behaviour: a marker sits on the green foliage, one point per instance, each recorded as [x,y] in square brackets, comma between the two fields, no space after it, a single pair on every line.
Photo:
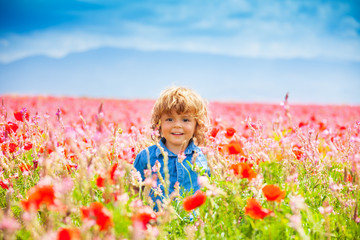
[23,234]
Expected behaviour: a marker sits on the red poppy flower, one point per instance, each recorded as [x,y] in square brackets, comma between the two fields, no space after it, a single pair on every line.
[21,115]
[28,146]
[112,171]
[11,127]
[4,185]
[143,216]
[341,128]
[255,210]
[273,193]
[68,234]
[302,124]
[243,170]
[194,201]
[297,150]
[12,147]
[24,167]
[230,132]
[214,132]
[349,178]
[39,195]
[235,147]
[100,181]
[70,166]
[322,126]
[99,213]
[109,177]
[4,148]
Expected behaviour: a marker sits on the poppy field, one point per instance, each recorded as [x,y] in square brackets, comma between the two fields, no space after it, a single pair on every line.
[278,171]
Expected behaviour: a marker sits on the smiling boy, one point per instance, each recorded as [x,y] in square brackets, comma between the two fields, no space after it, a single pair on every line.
[180,114]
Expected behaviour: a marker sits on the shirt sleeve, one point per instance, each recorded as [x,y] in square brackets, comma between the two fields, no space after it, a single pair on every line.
[140,163]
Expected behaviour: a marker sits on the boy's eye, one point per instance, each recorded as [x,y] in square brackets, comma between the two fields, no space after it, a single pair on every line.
[186,120]
[168,119]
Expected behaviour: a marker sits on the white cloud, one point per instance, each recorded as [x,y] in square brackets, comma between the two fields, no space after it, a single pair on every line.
[272,30]
[59,44]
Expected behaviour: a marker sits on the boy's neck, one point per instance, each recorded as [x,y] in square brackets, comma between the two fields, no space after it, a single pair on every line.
[173,150]
[176,149]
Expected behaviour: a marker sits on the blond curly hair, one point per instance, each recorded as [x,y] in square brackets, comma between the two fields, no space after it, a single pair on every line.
[182,100]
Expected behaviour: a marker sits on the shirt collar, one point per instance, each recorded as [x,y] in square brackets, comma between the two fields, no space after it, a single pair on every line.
[189,150]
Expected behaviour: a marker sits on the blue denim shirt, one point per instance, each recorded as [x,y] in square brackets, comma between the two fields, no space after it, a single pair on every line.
[177,171]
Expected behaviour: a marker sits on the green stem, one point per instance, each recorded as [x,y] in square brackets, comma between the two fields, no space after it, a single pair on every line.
[188,173]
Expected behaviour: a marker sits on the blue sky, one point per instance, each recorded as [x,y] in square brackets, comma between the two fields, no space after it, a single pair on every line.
[243,50]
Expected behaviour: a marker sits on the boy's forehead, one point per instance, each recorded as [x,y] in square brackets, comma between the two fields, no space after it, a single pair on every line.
[173,113]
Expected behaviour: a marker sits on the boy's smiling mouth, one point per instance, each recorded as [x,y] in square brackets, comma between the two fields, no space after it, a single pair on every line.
[177,133]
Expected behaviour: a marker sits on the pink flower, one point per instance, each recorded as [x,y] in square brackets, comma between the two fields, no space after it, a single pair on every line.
[203,181]
[9,224]
[156,166]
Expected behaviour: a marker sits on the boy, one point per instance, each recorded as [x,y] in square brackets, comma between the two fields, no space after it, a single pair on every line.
[181,118]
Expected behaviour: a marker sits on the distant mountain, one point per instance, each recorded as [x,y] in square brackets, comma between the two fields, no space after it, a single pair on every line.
[123,73]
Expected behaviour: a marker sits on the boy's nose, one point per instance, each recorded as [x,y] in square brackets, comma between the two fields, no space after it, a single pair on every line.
[177,124]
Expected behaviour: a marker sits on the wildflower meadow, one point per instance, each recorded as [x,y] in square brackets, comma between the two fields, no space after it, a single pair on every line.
[278,171]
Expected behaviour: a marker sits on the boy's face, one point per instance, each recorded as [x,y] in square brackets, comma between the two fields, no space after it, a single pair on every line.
[177,129]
